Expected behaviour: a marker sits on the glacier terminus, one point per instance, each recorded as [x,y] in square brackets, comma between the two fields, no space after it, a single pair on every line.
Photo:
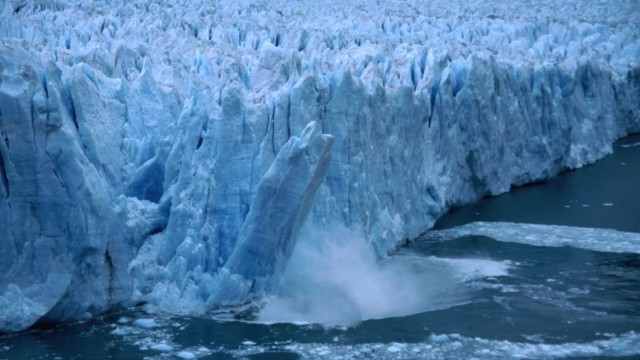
[171,152]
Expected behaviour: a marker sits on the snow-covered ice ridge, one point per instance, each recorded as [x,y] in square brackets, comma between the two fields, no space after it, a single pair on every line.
[136,134]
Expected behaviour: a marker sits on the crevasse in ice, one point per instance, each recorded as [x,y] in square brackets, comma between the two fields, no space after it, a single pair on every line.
[139,141]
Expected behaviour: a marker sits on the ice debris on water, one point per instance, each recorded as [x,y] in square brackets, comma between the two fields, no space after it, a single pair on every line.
[454,346]
[147,323]
[439,338]
[186,355]
[545,235]
[161,347]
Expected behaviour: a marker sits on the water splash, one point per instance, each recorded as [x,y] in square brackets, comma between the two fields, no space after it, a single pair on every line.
[334,278]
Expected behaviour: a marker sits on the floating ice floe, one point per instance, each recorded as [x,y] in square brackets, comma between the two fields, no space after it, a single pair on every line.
[605,240]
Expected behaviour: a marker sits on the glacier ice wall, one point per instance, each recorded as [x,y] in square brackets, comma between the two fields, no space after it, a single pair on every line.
[135,135]
[58,228]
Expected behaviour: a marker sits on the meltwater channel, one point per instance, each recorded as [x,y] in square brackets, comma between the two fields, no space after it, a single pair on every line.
[550,270]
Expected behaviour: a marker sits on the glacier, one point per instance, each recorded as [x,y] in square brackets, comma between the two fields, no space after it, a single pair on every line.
[168,152]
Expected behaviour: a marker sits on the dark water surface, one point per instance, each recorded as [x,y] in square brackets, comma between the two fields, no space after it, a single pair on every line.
[521,301]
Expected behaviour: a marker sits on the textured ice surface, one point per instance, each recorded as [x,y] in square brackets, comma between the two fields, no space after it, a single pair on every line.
[134,136]
[458,347]
[435,346]
[605,240]
[280,207]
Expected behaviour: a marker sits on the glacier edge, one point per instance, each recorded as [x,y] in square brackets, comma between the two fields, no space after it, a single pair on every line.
[130,163]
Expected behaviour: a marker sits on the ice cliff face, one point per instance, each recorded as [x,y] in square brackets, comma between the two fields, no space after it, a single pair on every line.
[58,227]
[149,150]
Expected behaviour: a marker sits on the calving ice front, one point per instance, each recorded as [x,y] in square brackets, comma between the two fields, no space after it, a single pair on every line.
[169,152]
